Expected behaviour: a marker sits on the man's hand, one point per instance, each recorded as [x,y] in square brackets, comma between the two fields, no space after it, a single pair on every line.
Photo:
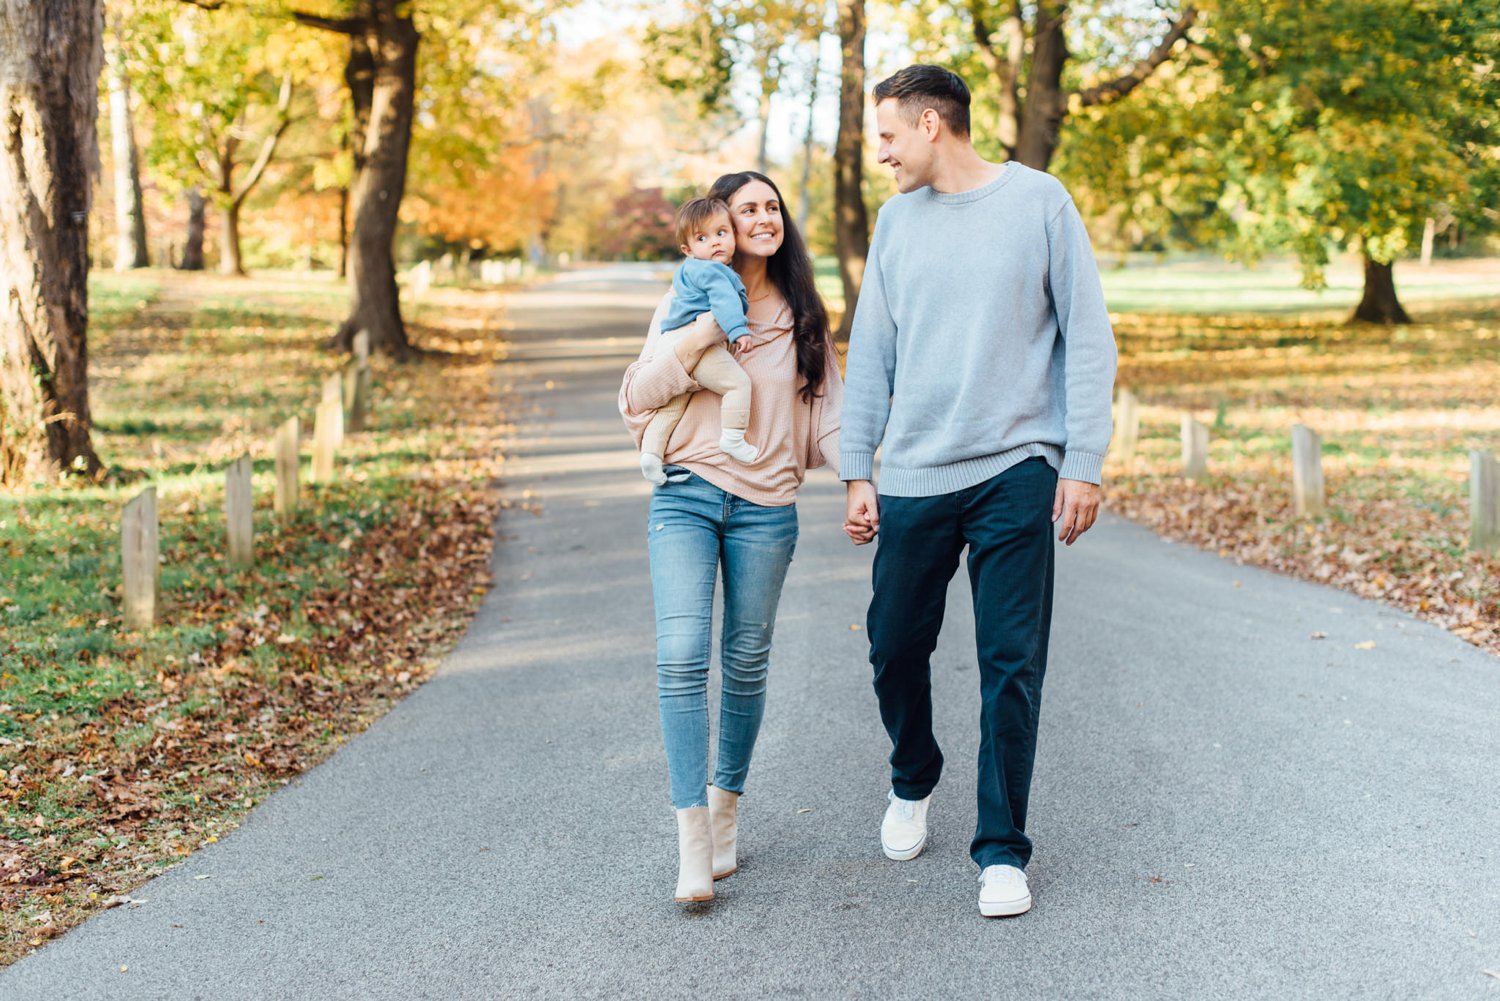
[862,516]
[1074,509]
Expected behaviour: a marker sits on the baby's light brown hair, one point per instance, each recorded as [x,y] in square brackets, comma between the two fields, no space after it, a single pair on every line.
[695,214]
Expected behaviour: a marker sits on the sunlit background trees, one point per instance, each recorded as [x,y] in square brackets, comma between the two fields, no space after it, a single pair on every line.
[359,136]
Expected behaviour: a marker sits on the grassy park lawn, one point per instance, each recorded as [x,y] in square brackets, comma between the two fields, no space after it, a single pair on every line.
[122,750]
[1398,409]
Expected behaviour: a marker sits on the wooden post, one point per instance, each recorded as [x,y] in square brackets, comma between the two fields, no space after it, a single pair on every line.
[1484,503]
[364,382]
[356,383]
[328,422]
[138,549]
[1307,472]
[288,465]
[1127,424]
[239,518]
[335,397]
[1194,449]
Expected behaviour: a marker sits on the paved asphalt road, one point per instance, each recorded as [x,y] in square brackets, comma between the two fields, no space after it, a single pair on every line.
[1223,807]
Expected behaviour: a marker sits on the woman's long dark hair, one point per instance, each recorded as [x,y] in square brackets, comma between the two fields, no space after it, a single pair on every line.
[790,270]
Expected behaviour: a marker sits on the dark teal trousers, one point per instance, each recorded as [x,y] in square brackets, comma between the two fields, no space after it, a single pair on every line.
[1006,525]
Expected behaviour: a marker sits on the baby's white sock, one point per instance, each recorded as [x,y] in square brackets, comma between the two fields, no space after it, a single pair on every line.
[651,468]
[732,441]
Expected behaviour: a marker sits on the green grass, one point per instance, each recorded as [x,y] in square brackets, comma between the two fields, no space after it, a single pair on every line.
[186,374]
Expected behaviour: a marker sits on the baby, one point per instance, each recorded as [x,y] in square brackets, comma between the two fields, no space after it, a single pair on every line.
[706,283]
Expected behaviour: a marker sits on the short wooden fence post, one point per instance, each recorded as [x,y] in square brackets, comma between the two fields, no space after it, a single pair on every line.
[1484,503]
[328,426]
[1194,448]
[239,512]
[335,397]
[288,465]
[1308,494]
[139,556]
[356,393]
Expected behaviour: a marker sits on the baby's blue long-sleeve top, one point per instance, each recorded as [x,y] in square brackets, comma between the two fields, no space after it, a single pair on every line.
[708,287]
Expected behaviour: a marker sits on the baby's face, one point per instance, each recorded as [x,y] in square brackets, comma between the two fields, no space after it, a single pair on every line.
[714,241]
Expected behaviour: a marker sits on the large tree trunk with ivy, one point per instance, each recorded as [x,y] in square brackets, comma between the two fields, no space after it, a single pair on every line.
[130,219]
[49,98]
[1379,303]
[851,224]
[382,74]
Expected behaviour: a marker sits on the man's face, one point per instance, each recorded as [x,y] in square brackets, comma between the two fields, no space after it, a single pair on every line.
[906,148]
[714,240]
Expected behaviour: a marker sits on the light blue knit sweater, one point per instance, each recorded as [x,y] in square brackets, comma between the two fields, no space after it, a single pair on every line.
[981,339]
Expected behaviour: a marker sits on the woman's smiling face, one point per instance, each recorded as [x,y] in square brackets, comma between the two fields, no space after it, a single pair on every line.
[756,211]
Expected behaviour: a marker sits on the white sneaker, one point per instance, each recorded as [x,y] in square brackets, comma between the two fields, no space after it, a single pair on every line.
[903,832]
[1003,892]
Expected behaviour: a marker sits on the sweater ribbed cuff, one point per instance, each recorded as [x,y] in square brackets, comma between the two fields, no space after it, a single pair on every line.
[737,333]
[1085,466]
[856,466]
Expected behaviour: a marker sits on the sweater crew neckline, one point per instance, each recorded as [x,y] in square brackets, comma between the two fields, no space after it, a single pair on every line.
[1007,171]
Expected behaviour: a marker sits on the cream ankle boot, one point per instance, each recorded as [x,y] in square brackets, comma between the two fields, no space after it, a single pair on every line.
[695,855]
[721,809]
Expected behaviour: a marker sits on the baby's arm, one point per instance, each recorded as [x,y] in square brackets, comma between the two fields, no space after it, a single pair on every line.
[724,301]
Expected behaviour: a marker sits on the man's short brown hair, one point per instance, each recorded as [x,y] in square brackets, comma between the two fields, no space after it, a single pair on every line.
[924,86]
[695,214]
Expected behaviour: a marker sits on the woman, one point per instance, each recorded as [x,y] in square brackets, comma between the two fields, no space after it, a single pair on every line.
[716,512]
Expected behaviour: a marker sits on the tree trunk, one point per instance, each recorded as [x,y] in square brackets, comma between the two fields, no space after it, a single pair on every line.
[192,250]
[769,72]
[804,185]
[229,240]
[344,232]
[130,219]
[851,224]
[1003,58]
[1046,102]
[49,150]
[381,74]
[391,41]
[1379,303]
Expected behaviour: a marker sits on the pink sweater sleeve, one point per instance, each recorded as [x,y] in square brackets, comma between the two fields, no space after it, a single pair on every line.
[653,379]
[824,450]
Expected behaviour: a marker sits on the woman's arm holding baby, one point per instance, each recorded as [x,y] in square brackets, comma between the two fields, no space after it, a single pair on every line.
[661,373]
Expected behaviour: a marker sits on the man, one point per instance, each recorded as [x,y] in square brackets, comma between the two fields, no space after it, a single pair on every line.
[981,363]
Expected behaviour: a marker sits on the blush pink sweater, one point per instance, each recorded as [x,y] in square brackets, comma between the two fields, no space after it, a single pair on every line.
[793,436]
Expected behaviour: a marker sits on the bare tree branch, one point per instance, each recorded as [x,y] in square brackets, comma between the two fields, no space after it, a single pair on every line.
[1137,74]
[339,25]
[1006,65]
[268,148]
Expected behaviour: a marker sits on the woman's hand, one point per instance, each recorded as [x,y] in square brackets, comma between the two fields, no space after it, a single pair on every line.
[702,334]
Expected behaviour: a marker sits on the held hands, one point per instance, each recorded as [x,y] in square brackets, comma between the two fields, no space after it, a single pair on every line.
[862,516]
[1074,509]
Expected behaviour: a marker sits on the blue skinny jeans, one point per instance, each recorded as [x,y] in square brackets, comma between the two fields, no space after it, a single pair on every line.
[695,531]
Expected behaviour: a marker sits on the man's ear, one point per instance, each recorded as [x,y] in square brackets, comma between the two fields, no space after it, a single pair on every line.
[931,123]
